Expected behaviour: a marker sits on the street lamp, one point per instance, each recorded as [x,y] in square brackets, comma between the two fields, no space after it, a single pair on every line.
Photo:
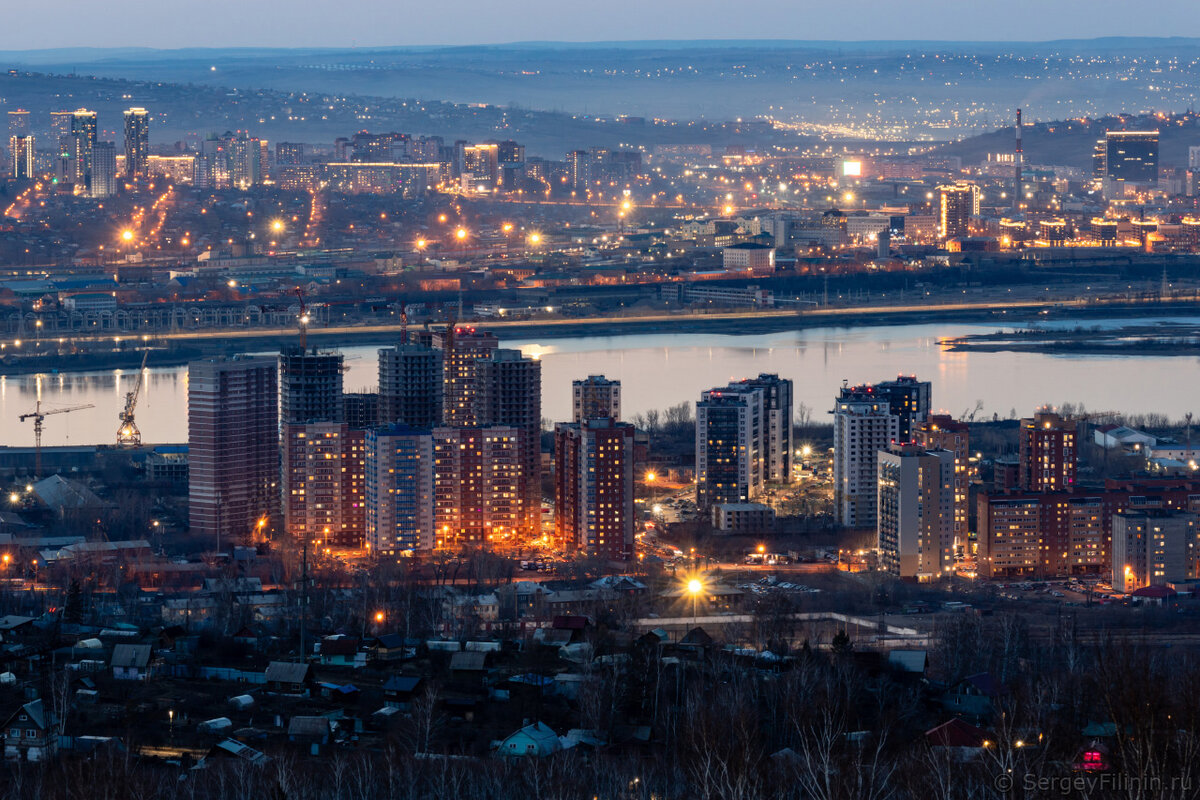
[694,587]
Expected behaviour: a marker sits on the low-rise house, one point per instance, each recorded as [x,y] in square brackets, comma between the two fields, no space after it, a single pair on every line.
[533,741]
[972,696]
[131,662]
[469,669]
[392,647]
[313,731]
[342,651]
[31,734]
[288,676]
[399,690]
[961,741]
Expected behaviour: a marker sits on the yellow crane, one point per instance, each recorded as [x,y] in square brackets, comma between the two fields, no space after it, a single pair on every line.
[128,434]
[38,416]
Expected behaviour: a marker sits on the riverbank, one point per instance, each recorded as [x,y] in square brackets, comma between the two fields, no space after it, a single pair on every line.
[176,349]
[1167,339]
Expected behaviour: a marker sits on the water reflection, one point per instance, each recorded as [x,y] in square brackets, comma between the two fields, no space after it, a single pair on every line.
[659,370]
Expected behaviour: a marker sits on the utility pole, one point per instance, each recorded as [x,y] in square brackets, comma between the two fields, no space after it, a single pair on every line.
[303,599]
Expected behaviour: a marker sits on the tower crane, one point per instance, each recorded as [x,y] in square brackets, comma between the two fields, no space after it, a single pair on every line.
[128,434]
[302,320]
[38,416]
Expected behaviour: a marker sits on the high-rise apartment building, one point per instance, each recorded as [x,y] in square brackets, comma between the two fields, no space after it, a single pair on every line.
[77,148]
[778,448]
[20,157]
[942,432]
[915,511]
[104,170]
[862,426]
[60,123]
[1048,452]
[18,123]
[410,385]
[137,142]
[233,447]
[508,391]
[907,398]
[729,446]
[324,465]
[461,347]
[290,153]
[1131,157]
[477,486]
[399,490]
[956,204]
[310,385]
[595,397]
[481,167]
[316,445]
[361,409]
[593,487]
[1154,547]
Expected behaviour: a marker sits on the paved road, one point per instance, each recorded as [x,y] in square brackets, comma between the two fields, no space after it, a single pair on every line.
[609,322]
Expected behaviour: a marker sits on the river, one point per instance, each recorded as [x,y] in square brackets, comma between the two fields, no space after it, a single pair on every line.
[660,370]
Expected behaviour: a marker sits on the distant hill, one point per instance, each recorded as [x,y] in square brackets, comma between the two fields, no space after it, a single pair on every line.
[919,90]
[1070,143]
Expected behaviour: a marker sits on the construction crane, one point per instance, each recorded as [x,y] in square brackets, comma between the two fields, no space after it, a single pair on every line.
[38,416]
[128,434]
[302,320]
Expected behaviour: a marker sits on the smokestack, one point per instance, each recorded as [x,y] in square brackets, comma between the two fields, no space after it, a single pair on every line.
[1018,161]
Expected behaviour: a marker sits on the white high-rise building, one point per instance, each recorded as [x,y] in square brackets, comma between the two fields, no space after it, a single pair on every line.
[861,428]
[915,511]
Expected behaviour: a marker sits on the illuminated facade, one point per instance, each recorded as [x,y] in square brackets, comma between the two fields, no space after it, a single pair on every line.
[955,206]
[407,180]
[594,487]
[18,123]
[461,348]
[942,432]
[324,468]
[399,490]
[477,486]
[1048,453]
[137,142]
[508,391]
[20,151]
[177,169]
[729,446]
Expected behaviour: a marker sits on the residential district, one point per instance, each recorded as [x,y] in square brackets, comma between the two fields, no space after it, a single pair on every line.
[426,590]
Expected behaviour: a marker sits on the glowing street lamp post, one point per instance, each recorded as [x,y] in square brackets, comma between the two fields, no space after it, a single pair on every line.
[694,587]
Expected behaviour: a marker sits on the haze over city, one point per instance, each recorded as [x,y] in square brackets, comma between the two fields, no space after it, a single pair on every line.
[376,23]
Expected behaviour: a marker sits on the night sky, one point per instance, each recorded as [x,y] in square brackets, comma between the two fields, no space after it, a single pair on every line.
[286,23]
